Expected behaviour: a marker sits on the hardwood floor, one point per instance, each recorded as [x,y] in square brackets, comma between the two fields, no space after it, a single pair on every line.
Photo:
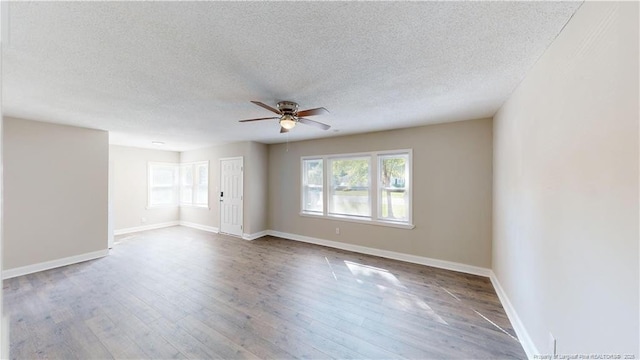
[184,293]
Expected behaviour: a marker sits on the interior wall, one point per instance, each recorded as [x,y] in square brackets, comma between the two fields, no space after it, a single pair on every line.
[210,217]
[452,180]
[565,249]
[130,187]
[55,191]
[256,183]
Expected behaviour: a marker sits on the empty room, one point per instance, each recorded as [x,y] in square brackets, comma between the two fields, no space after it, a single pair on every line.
[346,180]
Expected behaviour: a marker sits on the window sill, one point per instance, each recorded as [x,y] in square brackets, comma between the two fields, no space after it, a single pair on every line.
[359,220]
[152,207]
[196,206]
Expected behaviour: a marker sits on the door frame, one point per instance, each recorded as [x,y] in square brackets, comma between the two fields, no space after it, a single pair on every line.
[241,158]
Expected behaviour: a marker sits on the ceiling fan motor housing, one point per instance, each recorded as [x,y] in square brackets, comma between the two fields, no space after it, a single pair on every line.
[288,107]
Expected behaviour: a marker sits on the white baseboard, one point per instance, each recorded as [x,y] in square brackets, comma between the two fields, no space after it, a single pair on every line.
[30,269]
[442,264]
[255,235]
[523,335]
[145,227]
[199,227]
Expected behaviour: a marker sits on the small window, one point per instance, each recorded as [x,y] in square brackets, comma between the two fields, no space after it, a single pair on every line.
[201,197]
[186,184]
[312,178]
[163,184]
[194,184]
[393,182]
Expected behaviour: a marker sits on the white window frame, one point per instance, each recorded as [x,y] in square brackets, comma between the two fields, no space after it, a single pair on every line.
[175,186]
[374,188]
[194,185]
[329,196]
[303,185]
[407,185]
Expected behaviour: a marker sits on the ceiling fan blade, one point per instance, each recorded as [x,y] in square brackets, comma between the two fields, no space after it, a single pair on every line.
[311,112]
[258,119]
[314,123]
[267,107]
[283,130]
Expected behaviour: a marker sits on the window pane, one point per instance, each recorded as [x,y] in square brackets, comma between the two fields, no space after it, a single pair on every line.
[393,195]
[163,175]
[186,194]
[187,174]
[350,187]
[163,184]
[202,195]
[186,184]
[202,184]
[203,174]
[162,196]
[312,185]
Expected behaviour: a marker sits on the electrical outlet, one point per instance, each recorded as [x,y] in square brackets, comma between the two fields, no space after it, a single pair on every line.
[553,345]
[143,220]
[337,231]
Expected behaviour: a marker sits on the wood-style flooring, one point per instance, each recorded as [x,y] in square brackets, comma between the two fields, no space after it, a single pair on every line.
[184,293]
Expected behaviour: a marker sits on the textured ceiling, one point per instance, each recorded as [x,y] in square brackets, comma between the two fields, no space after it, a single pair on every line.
[184,72]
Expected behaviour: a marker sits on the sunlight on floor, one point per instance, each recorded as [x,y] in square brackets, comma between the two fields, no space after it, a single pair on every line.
[482,316]
[385,281]
[331,268]
[366,271]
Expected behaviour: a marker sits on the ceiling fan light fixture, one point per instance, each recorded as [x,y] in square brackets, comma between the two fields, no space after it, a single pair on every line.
[288,121]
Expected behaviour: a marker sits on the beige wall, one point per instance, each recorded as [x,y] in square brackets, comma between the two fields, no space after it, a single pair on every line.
[255,176]
[256,179]
[130,189]
[566,187]
[452,191]
[211,216]
[55,191]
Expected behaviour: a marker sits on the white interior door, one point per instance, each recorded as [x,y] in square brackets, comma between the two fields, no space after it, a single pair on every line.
[231,180]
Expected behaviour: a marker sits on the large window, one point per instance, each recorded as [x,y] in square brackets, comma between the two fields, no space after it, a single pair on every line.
[163,184]
[372,187]
[194,184]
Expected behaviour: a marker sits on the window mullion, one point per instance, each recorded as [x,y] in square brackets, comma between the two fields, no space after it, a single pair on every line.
[326,184]
[373,186]
[194,184]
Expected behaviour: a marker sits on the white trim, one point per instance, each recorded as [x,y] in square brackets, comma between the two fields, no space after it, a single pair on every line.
[199,227]
[30,269]
[523,335]
[442,264]
[255,235]
[363,220]
[374,198]
[145,227]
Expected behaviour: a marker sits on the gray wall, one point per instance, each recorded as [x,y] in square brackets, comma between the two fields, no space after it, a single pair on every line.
[566,187]
[451,193]
[55,191]
[130,188]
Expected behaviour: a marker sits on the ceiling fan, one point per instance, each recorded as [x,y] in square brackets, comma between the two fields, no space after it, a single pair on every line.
[289,115]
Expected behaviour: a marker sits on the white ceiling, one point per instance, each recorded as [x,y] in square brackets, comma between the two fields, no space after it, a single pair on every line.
[184,73]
